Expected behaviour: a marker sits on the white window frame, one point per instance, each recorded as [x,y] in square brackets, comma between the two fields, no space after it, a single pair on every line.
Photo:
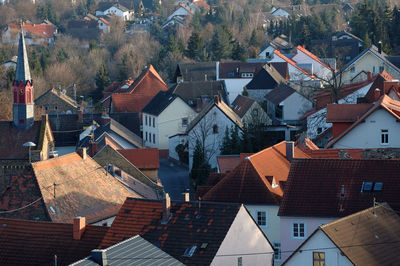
[266,218]
[292,230]
[385,137]
[277,255]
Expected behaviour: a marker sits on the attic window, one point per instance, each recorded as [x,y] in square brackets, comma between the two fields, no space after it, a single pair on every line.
[378,186]
[189,251]
[366,187]
[215,129]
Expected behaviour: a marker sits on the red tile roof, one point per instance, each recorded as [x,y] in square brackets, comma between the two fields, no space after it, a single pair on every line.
[387,103]
[188,226]
[384,82]
[36,243]
[41,30]
[346,113]
[314,186]
[142,158]
[243,185]
[139,93]
[334,153]
[227,163]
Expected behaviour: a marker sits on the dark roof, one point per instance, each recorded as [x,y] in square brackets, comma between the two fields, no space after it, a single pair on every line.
[395,60]
[129,120]
[196,71]
[133,251]
[280,93]
[314,186]
[266,79]
[82,189]
[191,91]
[12,139]
[159,103]
[187,227]
[242,185]
[36,243]
[282,68]
[241,105]
[234,69]
[22,72]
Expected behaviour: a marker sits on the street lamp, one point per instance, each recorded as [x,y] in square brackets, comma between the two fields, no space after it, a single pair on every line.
[30,145]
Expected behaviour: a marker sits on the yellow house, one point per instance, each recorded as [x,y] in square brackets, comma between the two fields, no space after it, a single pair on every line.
[373,60]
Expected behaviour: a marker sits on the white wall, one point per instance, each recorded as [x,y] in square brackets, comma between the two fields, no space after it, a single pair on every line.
[319,70]
[294,73]
[127,15]
[234,87]
[368,134]
[319,242]
[268,49]
[170,121]
[150,130]
[179,12]
[295,106]
[244,237]
[213,141]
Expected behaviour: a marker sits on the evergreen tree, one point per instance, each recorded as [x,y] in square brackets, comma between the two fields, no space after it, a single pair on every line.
[225,145]
[246,143]
[221,43]
[195,46]
[102,81]
[200,168]
[239,52]
[235,145]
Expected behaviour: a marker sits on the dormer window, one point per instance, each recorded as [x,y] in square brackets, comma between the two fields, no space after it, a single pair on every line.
[247,75]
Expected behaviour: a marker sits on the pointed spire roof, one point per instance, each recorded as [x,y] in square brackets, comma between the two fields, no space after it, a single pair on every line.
[22,70]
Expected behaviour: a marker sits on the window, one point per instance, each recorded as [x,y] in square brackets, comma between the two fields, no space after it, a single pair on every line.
[215,129]
[384,136]
[261,218]
[154,122]
[373,70]
[378,186]
[366,187]
[298,230]
[318,258]
[319,130]
[189,251]
[145,119]
[240,261]
[255,112]
[353,70]
[381,68]
[146,137]
[277,251]
[154,138]
[348,57]
[279,111]
[185,121]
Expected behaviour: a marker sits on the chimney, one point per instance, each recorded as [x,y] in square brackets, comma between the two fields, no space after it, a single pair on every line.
[92,148]
[289,150]
[99,256]
[205,77]
[80,115]
[216,99]
[105,117]
[166,209]
[82,152]
[186,197]
[377,94]
[79,227]
[369,76]
[74,91]
[380,47]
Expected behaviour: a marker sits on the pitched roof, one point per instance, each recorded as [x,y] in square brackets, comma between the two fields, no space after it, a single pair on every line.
[312,56]
[242,104]
[63,188]
[280,93]
[282,68]
[188,226]
[314,186]
[368,236]
[346,113]
[159,102]
[374,50]
[387,103]
[59,94]
[226,163]
[136,250]
[293,63]
[242,185]
[266,78]
[41,30]
[36,243]
[130,103]
[196,71]
[142,158]
[223,107]
[190,91]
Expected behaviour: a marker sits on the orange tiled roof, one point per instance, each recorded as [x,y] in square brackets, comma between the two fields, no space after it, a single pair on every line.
[130,103]
[390,105]
[293,63]
[142,158]
[334,153]
[41,30]
[346,113]
[227,163]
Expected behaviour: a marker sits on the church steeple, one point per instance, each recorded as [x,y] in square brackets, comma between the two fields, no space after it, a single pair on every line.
[23,107]
[22,70]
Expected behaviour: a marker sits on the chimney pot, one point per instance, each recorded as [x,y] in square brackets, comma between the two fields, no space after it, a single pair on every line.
[166,208]
[186,197]
[377,94]
[82,152]
[79,227]
[289,150]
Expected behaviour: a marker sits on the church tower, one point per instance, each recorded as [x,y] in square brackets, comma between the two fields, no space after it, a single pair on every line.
[23,107]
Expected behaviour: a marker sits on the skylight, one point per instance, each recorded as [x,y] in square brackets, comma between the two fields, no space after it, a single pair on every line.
[378,186]
[366,187]
[189,251]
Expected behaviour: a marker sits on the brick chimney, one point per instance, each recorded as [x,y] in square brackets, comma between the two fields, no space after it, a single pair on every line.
[79,227]
[105,117]
[377,94]
[186,197]
[92,148]
[82,152]
[369,76]
[166,209]
[289,150]
[80,115]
